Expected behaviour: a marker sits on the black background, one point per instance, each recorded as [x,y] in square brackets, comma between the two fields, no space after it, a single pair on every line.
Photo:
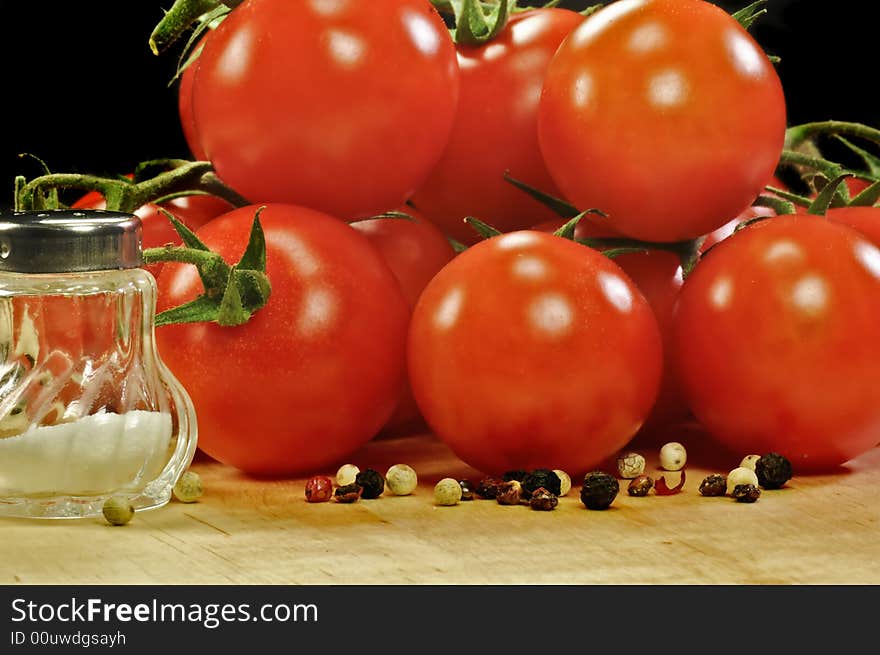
[82,91]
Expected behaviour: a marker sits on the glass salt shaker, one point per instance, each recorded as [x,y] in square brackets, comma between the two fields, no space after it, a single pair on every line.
[87,408]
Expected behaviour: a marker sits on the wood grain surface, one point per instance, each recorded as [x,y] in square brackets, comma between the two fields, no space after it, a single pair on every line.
[818,530]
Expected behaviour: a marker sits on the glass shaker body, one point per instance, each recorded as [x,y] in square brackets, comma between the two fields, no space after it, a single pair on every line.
[87,408]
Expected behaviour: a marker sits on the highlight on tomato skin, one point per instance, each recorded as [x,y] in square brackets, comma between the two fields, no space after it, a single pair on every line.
[343,107]
[650,102]
[532,351]
[496,129]
[775,341]
[314,374]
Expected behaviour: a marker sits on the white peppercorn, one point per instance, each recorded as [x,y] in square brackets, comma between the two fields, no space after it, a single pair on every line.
[673,456]
[630,465]
[750,461]
[401,479]
[740,475]
[346,474]
[564,481]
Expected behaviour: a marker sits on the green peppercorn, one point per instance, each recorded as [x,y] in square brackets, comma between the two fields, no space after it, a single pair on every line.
[746,493]
[488,487]
[372,483]
[599,490]
[348,493]
[640,485]
[118,510]
[467,489]
[188,488]
[773,471]
[541,478]
[714,485]
[543,500]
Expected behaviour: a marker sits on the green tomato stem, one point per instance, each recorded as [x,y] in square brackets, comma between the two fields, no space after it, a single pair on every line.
[177,21]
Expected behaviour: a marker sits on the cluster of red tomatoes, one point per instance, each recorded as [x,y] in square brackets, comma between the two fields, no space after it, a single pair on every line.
[527,349]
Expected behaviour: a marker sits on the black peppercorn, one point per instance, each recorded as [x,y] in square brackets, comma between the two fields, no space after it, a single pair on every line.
[773,471]
[543,500]
[372,483]
[348,493]
[640,486]
[541,478]
[714,485]
[488,487]
[599,490]
[467,489]
[517,475]
[746,493]
[509,493]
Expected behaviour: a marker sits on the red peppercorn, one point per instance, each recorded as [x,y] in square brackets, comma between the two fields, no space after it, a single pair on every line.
[319,489]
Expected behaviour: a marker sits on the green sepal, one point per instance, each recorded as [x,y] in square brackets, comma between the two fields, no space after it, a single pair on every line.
[201,310]
[254,257]
[748,15]
[189,54]
[868,197]
[391,214]
[231,311]
[473,26]
[779,205]
[827,195]
[561,208]
[483,229]
[872,162]
[613,253]
[567,231]
[177,21]
[592,9]
[457,246]
[189,238]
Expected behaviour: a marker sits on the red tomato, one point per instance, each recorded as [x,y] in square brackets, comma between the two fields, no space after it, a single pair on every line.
[415,250]
[496,130]
[652,101]
[658,276]
[776,341]
[192,211]
[316,372]
[185,110]
[864,219]
[336,105]
[529,350]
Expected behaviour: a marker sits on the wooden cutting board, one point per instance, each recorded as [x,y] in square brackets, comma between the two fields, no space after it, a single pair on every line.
[819,529]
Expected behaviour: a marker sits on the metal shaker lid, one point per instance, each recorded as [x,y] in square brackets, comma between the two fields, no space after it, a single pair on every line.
[69,241]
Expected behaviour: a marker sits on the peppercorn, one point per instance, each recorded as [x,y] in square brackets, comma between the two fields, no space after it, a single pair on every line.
[631,465]
[348,493]
[749,461]
[509,493]
[518,475]
[564,482]
[319,489]
[746,493]
[673,456]
[402,479]
[543,500]
[488,487]
[118,510]
[599,490]
[188,488]
[740,475]
[541,478]
[346,474]
[640,486]
[371,482]
[467,489]
[773,471]
[447,492]
[714,485]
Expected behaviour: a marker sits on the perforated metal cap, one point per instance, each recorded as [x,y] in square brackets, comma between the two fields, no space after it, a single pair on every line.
[68,241]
